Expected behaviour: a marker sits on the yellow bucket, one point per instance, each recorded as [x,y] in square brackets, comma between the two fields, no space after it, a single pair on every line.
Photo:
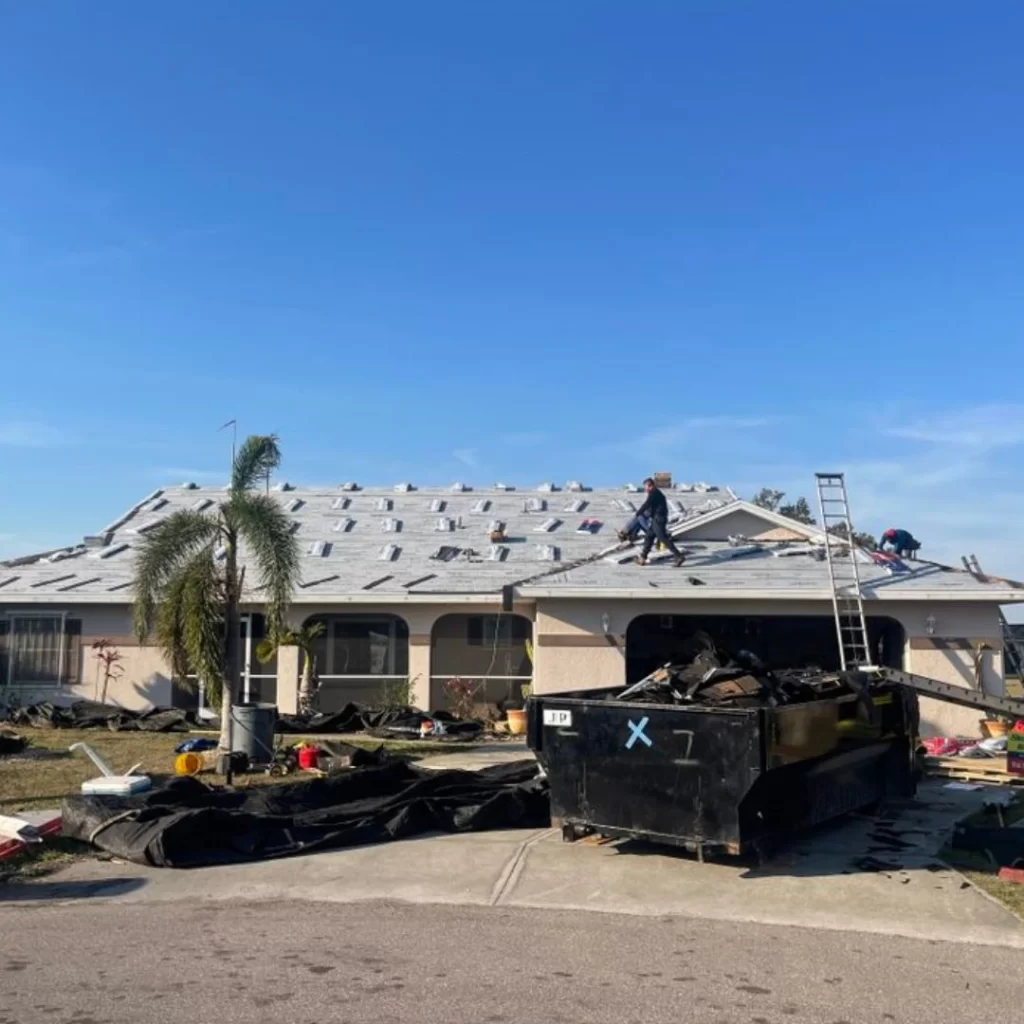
[188,764]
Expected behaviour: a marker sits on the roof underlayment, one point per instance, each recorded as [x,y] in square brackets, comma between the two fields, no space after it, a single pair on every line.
[401,544]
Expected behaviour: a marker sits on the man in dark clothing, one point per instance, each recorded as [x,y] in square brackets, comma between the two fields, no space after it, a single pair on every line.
[902,543]
[651,519]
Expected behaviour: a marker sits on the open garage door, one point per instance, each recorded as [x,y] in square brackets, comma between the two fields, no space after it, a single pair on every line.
[782,641]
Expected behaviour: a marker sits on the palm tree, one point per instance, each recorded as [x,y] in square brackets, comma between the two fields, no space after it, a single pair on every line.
[188,583]
[303,638]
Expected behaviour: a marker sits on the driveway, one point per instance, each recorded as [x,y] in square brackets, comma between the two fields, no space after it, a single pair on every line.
[862,875]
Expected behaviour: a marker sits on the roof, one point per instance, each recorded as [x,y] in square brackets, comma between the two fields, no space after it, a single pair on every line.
[405,544]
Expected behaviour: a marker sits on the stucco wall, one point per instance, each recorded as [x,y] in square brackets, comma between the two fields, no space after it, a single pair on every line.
[574,652]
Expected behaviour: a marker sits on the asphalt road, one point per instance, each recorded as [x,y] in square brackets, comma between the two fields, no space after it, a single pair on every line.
[99,963]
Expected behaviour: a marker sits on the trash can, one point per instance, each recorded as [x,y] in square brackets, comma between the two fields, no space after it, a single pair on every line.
[252,731]
[717,780]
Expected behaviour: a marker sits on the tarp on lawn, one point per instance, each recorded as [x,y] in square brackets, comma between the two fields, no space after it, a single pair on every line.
[88,714]
[185,823]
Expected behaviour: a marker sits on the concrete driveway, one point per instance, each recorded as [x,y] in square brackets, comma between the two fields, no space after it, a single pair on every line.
[821,881]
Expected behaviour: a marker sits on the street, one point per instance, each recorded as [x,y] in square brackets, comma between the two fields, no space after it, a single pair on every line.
[104,962]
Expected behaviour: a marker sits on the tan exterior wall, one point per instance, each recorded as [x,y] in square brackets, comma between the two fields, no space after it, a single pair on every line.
[572,650]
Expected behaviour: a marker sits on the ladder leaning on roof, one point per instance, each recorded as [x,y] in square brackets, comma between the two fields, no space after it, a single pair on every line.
[1011,645]
[844,577]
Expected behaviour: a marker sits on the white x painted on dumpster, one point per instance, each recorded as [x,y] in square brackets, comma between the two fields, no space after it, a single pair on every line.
[637,733]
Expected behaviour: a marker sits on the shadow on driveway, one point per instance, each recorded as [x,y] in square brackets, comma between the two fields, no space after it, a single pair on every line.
[38,892]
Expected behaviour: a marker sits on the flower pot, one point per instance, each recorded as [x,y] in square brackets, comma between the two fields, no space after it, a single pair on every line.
[993,727]
[517,722]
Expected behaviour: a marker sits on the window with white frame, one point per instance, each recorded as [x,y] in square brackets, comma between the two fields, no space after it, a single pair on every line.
[39,649]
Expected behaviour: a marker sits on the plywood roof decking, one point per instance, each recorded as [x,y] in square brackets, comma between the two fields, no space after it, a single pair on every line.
[346,564]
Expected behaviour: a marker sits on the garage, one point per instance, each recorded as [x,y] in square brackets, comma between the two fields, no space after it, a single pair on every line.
[779,640]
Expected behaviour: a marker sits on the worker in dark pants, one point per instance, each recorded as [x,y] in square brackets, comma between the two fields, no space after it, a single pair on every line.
[902,543]
[651,519]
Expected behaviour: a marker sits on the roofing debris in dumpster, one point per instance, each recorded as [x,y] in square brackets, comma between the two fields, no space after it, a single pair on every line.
[721,754]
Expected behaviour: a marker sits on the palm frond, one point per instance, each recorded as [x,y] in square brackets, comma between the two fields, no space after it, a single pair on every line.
[267,531]
[189,620]
[162,553]
[258,455]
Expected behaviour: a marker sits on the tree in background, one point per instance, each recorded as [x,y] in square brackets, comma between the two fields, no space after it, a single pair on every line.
[305,639]
[861,540]
[798,510]
[188,583]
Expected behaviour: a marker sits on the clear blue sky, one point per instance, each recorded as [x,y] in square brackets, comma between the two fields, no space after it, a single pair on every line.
[532,240]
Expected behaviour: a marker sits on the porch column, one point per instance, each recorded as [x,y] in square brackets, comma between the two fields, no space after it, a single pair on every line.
[288,680]
[419,670]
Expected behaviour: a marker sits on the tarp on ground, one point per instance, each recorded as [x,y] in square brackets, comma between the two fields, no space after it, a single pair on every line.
[88,714]
[185,823]
[383,723]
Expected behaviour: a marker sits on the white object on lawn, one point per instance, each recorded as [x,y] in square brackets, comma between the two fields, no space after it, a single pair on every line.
[110,783]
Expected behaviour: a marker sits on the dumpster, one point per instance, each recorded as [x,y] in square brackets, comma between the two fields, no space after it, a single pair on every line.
[720,779]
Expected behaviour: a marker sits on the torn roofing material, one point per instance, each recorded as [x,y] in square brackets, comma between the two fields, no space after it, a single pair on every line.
[449,544]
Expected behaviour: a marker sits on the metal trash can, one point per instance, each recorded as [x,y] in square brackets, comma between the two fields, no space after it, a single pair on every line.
[252,731]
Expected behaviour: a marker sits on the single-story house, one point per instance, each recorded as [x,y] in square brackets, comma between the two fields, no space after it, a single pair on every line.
[502,586]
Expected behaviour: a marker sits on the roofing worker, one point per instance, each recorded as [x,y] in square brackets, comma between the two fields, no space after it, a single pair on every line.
[902,543]
[651,519]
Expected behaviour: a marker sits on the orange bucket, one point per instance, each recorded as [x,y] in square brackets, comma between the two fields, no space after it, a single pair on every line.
[188,764]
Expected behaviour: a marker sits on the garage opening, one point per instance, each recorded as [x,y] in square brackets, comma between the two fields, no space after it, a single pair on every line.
[781,641]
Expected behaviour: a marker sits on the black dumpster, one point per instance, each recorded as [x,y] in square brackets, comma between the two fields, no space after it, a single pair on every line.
[720,779]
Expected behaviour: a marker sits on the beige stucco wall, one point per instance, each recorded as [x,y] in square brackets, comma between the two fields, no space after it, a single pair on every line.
[572,651]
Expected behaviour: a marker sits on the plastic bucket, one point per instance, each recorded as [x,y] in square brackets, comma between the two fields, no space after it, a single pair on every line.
[188,764]
[252,731]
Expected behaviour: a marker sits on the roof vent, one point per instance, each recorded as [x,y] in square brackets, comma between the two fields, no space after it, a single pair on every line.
[458,487]
[547,526]
[283,486]
[504,487]
[294,505]
[389,552]
[188,485]
[547,488]
[340,504]
[320,548]
[438,505]
[548,553]
[350,486]
[343,525]
[444,525]
[482,506]
[385,504]
[574,485]
[404,488]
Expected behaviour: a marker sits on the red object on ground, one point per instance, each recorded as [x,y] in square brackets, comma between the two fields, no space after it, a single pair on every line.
[309,758]
[47,826]
[1012,875]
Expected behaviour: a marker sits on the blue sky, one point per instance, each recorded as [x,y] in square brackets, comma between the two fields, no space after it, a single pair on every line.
[522,241]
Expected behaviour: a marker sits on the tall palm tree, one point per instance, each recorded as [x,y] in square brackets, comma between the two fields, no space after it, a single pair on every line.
[188,583]
[305,639]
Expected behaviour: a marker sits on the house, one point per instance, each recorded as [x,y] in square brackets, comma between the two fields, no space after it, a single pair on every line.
[426,584]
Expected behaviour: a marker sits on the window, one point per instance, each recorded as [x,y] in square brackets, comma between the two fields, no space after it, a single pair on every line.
[39,649]
[492,630]
[363,645]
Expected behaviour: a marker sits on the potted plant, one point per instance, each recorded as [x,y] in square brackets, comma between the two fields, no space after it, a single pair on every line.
[517,716]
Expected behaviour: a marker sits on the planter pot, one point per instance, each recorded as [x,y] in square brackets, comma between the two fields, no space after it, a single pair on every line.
[993,727]
[517,722]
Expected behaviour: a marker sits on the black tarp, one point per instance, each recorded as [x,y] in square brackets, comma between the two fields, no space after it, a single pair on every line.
[88,714]
[185,823]
[382,723]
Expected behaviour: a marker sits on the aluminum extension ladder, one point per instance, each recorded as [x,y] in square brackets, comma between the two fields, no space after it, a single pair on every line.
[841,554]
[1011,645]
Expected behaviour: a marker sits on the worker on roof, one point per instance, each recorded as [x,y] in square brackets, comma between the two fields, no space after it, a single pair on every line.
[651,520]
[901,542]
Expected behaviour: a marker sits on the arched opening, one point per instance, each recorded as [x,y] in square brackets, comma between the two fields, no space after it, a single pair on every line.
[781,641]
[488,651]
[357,656]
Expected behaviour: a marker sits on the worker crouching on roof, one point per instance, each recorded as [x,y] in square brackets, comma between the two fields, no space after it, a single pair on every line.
[901,542]
[652,521]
